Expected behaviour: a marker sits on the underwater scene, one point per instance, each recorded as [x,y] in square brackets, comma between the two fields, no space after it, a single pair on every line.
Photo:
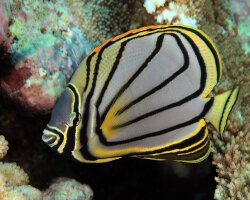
[124,100]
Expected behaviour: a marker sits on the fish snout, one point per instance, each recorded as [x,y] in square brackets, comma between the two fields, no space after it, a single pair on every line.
[48,138]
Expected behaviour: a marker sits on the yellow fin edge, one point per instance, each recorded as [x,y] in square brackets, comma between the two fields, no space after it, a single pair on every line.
[221,108]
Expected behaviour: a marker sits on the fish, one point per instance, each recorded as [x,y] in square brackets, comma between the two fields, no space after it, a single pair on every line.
[144,94]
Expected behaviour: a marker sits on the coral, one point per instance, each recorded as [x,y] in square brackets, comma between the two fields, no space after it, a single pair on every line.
[14,174]
[231,158]
[24,192]
[14,185]
[13,181]
[3,146]
[240,9]
[63,188]
[174,12]
[99,21]
[45,48]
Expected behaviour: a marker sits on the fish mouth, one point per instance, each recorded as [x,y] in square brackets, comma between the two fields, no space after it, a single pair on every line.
[48,138]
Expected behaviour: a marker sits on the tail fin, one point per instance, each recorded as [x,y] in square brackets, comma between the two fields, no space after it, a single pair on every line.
[222,105]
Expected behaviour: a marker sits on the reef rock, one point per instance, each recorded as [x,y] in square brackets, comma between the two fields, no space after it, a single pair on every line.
[43,46]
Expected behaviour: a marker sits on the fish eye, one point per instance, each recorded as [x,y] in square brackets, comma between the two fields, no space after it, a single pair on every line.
[70,122]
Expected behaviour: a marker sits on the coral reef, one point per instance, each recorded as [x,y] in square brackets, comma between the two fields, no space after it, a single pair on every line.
[231,158]
[63,188]
[45,48]
[14,184]
[22,192]
[174,12]
[241,15]
[100,20]
[14,181]
[14,174]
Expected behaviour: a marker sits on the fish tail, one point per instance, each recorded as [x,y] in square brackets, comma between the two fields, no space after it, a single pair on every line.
[221,108]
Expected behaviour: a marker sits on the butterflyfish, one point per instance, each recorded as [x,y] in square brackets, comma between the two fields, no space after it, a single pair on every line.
[144,94]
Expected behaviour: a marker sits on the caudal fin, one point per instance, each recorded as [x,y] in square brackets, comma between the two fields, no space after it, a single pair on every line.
[222,105]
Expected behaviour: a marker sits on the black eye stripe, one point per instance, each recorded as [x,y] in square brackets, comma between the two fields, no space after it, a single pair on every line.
[55,131]
[51,141]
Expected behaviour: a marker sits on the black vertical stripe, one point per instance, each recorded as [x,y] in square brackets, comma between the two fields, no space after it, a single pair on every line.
[83,134]
[165,82]
[137,73]
[160,132]
[110,76]
[202,84]
[208,43]
[71,133]
[84,150]
[116,63]
[188,98]
[88,61]
[197,32]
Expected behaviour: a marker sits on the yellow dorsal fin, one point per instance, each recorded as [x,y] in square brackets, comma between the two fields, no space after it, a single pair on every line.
[222,105]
